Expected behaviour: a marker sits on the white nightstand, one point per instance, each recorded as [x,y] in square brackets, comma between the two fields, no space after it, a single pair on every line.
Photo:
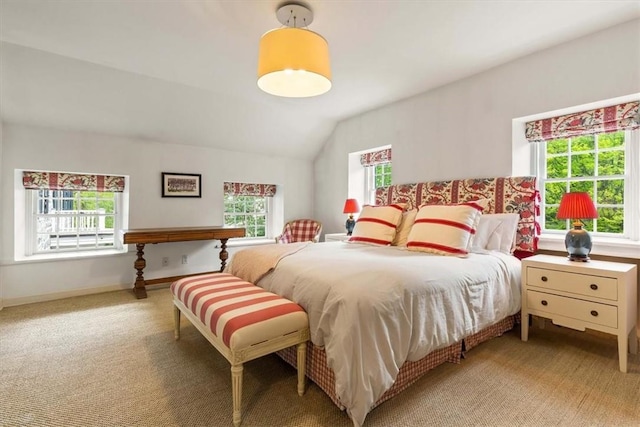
[336,237]
[596,295]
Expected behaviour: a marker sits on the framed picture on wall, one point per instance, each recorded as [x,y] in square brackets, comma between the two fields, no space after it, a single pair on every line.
[181,184]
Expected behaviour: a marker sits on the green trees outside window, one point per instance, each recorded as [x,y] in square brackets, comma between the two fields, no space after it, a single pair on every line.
[594,164]
[376,176]
[382,175]
[249,212]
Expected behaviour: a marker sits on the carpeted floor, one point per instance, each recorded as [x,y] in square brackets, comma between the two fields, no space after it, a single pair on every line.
[111,360]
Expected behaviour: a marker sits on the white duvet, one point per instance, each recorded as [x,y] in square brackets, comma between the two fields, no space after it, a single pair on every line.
[373,308]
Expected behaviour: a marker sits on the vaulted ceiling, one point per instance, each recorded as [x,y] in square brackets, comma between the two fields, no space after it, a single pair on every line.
[185,71]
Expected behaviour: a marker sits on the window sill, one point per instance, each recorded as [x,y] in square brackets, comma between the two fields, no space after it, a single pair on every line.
[67,256]
[248,242]
[601,246]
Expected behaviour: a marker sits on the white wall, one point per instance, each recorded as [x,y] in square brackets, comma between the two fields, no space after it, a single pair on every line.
[28,147]
[464,129]
[1,214]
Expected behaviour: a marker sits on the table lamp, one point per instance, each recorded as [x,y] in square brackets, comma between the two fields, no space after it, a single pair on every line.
[577,206]
[351,206]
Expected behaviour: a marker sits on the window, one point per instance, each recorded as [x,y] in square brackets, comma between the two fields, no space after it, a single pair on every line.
[377,176]
[377,172]
[249,206]
[605,165]
[67,212]
[64,221]
[250,212]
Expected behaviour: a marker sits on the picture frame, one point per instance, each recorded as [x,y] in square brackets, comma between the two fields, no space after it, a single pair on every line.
[181,184]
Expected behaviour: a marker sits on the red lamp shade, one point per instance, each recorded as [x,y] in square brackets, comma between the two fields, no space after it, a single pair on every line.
[577,205]
[351,206]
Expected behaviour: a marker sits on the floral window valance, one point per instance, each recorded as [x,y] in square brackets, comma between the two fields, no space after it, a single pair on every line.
[243,189]
[375,157]
[72,181]
[601,120]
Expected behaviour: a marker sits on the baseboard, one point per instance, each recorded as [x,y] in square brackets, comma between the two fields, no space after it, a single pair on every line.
[12,302]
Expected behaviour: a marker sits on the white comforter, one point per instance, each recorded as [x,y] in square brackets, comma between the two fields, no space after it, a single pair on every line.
[373,308]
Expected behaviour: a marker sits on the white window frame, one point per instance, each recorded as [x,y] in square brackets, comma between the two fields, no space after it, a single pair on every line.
[269,233]
[31,224]
[631,230]
[370,182]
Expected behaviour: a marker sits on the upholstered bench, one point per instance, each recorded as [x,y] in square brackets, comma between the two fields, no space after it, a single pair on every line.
[242,321]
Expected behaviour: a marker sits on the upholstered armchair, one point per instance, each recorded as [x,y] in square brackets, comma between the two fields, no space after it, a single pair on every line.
[300,230]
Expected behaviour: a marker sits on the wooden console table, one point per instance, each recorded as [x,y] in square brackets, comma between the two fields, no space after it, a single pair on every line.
[142,236]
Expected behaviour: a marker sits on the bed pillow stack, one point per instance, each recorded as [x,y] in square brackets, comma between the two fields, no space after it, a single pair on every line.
[446,229]
[377,225]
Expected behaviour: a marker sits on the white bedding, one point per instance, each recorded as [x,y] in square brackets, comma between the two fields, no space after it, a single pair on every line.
[373,308]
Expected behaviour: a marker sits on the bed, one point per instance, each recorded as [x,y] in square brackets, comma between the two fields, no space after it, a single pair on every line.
[381,316]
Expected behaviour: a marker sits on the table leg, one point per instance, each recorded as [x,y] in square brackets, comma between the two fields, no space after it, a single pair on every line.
[140,264]
[224,255]
[524,324]
[633,341]
[623,349]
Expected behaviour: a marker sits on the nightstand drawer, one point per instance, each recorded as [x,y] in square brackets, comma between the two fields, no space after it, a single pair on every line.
[579,284]
[587,311]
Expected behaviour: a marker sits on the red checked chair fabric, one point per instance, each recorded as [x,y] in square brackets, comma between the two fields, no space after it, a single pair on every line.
[300,230]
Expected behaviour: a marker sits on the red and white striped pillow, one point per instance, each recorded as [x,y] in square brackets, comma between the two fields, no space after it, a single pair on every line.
[445,229]
[377,225]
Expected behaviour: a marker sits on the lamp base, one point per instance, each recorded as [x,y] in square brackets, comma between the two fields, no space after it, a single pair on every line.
[583,258]
[350,224]
[578,244]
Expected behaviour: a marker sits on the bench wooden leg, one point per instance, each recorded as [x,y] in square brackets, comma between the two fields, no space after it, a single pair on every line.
[236,387]
[302,364]
[176,322]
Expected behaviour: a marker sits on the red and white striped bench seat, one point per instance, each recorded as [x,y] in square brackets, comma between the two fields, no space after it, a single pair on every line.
[242,321]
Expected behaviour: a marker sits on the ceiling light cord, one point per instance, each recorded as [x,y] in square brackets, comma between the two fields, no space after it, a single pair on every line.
[295,21]
[291,16]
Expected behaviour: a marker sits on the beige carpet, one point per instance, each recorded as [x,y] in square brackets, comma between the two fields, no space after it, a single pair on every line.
[110,360]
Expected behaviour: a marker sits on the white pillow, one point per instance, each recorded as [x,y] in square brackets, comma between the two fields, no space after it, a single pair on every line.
[496,232]
[377,225]
[402,233]
[484,204]
[444,229]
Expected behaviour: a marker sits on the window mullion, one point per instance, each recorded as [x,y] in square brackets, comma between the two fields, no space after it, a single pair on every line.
[632,185]
[594,186]
[541,169]
[268,223]
[117,224]
[368,172]
[31,204]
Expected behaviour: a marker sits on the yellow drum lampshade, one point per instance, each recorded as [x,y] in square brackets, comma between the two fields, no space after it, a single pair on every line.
[294,63]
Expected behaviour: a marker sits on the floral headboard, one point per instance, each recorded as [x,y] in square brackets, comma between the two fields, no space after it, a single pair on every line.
[506,195]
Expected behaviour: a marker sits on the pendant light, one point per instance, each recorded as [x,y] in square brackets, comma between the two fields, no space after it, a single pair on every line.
[293,62]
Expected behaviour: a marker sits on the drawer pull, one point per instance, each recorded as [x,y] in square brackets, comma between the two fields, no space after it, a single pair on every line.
[544,278]
[594,286]
[544,302]
[594,313]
